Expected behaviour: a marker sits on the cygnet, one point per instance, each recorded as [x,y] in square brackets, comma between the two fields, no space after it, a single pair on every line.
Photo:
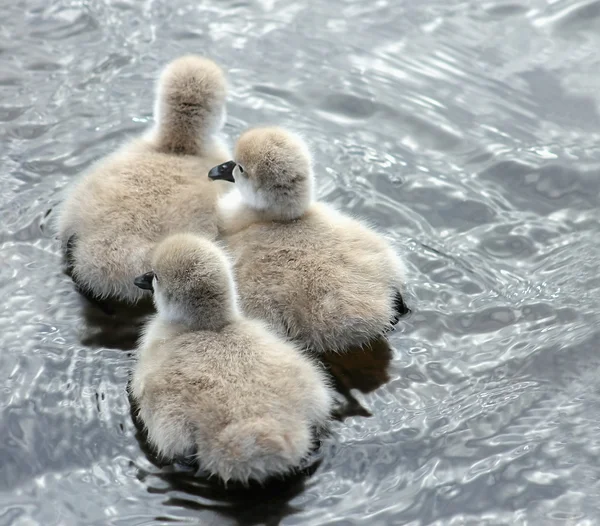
[153,186]
[214,384]
[315,274]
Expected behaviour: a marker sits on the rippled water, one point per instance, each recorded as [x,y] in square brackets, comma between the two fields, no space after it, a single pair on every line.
[467,130]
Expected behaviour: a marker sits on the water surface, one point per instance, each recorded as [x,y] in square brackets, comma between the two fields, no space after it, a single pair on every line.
[467,131]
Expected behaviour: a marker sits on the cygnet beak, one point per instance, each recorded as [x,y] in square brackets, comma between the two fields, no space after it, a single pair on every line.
[145,281]
[223,172]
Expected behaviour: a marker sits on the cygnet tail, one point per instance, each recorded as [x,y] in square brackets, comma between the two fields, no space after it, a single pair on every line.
[259,448]
[189,106]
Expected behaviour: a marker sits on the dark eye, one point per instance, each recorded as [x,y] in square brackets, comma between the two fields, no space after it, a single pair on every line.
[241,168]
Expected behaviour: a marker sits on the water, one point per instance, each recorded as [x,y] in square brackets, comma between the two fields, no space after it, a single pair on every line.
[467,130]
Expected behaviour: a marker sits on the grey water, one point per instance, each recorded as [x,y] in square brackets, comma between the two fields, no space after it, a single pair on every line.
[467,131]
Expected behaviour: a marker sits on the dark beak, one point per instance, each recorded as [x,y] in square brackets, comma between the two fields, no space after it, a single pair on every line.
[223,172]
[144,281]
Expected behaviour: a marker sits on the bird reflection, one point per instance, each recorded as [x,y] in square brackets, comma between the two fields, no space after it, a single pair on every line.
[119,330]
[364,368]
[242,505]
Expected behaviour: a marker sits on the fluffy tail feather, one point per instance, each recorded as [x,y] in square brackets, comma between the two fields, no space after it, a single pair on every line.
[189,106]
[258,448]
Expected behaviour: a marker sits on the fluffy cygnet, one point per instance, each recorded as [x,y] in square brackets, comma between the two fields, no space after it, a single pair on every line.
[210,382]
[313,273]
[151,187]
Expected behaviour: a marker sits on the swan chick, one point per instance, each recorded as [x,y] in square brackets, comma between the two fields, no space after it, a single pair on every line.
[315,274]
[112,217]
[214,384]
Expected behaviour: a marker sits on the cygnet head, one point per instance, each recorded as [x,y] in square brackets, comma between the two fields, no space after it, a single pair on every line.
[272,171]
[190,104]
[192,283]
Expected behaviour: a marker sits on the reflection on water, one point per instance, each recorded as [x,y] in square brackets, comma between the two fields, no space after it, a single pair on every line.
[466,131]
[362,368]
[114,325]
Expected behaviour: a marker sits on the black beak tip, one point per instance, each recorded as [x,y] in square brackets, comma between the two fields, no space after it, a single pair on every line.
[145,281]
[223,172]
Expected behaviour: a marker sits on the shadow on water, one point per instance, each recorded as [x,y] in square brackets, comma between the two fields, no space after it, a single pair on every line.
[363,368]
[120,329]
[247,506]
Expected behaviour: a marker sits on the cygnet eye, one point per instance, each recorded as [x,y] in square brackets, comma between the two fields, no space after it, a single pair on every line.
[241,168]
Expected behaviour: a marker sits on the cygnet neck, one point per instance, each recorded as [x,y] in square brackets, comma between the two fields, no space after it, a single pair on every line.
[186,144]
[280,213]
[189,318]
[273,207]
[212,323]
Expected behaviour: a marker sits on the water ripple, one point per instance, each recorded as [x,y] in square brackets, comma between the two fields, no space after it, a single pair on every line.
[467,132]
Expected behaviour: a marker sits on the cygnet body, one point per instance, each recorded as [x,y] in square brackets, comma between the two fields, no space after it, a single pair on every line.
[153,186]
[315,274]
[210,382]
